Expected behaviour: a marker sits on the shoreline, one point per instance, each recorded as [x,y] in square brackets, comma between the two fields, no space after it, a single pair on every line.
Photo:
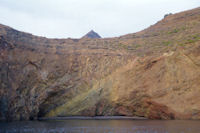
[93,118]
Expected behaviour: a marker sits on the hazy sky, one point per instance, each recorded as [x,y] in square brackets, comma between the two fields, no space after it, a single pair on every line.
[74,18]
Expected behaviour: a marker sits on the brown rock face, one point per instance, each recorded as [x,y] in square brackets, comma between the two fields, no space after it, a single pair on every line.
[154,73]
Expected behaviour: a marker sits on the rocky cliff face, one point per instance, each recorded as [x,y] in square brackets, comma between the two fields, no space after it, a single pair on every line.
[154,73]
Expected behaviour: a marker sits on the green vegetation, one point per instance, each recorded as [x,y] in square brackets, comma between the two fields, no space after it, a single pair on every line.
[181,44]
[174,31]
[197,37]
[193,39]
[137,46]
[190,41]
[183,28]
[167,43]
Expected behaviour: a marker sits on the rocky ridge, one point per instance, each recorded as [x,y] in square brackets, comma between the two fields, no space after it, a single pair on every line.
[153,73]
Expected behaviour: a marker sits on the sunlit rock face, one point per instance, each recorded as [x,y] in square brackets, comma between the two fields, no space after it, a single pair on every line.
[154,73]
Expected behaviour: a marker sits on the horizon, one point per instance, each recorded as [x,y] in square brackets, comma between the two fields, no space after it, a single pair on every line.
[115,18]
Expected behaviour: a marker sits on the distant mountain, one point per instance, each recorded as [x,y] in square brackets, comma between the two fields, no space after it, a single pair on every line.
[92,34]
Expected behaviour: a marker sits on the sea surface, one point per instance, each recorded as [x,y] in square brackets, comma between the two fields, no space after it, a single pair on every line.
[101,126]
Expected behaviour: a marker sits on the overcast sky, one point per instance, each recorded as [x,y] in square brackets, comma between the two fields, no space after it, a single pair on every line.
[74,18]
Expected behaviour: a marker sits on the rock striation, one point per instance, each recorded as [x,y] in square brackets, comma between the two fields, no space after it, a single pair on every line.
[154,73]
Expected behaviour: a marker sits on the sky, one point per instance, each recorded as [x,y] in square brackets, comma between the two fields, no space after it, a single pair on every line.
[74,18]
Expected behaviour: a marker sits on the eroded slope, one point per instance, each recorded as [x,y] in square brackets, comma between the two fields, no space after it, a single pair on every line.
[153,73]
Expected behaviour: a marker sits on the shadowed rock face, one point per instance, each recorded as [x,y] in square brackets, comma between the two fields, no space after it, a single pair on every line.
[154,73]
[91,35]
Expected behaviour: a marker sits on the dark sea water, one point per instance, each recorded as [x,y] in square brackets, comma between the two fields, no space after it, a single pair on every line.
[101,126]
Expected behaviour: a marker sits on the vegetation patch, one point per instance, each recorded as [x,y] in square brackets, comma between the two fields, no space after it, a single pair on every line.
[193,39]
[166,43]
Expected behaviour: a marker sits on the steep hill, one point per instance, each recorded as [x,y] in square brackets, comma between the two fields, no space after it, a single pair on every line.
[154,73]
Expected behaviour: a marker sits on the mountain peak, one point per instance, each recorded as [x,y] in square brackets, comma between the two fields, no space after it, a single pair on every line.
[92,34]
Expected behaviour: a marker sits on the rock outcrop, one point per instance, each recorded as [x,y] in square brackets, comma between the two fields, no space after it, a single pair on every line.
[154,73]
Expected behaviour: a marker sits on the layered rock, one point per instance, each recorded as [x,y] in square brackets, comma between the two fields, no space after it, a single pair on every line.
[153,73]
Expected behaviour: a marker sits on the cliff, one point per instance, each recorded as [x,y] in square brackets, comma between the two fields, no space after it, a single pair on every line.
[154,73]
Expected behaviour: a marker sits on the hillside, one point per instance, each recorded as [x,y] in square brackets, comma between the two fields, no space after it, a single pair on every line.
[154,73]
